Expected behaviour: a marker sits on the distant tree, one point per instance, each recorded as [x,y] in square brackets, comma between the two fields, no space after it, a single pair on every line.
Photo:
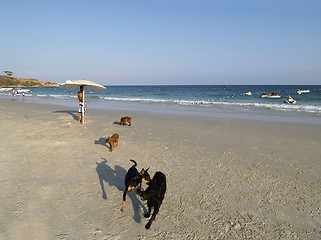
[9,73]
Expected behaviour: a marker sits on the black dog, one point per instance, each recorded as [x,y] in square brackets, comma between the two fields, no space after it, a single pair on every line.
[133,179]
[154,195]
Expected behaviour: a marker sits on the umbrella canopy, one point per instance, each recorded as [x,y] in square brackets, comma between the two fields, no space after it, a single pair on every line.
[76,84]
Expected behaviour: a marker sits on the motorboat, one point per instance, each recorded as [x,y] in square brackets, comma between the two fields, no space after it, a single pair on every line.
[270,95]
[2,89]
[302,91]
[248,93]
[20,90]
[290,100]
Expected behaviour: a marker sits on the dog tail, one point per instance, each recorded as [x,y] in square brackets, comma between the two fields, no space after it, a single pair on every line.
[135,163]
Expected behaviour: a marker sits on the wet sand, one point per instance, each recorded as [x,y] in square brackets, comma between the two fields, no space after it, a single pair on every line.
[227,179]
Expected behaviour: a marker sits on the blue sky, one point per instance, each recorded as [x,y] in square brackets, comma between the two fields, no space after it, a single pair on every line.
[116,42]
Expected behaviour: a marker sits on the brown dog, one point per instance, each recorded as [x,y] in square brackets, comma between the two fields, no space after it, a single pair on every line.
[113,141]
[125,120]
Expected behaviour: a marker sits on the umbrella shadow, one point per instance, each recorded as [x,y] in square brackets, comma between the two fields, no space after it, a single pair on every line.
[115,177]
[72,113]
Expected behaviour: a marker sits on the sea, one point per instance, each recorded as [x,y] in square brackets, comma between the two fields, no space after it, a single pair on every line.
[218,101]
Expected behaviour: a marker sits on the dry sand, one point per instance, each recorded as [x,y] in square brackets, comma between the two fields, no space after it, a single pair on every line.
[226,179]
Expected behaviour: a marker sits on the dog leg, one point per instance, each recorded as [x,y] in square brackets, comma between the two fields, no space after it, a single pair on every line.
[156,209]
[123,206]
[111,147]
[147,215]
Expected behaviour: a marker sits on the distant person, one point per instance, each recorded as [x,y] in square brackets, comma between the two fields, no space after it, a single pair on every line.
[82,105]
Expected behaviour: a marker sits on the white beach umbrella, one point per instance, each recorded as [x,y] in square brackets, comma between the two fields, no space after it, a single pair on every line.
[76,84]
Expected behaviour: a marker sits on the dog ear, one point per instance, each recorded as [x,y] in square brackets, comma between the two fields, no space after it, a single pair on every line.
[147,169]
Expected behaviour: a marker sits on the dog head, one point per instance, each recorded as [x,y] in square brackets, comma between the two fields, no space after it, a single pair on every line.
[145,176]
[143,195]
[148,195]
[108,140]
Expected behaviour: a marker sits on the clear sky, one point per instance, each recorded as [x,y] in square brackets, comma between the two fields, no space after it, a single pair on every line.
[116,42]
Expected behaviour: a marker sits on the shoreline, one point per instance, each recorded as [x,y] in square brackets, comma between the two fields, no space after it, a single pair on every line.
[226,178]
[188,111]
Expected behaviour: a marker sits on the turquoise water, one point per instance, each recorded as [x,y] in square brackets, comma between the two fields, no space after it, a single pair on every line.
[198,99]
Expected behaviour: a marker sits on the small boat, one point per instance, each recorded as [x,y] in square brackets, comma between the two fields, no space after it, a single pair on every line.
[19,90]
[248,93]
[302,91]
[5,89]
[270,95]
[290,100]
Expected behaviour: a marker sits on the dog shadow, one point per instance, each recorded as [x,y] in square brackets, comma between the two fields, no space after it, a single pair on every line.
[115,177]
[106,174]
[101,141]
[70,112]
[117,122]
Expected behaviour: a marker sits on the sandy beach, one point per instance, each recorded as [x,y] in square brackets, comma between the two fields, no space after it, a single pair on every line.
[226,179]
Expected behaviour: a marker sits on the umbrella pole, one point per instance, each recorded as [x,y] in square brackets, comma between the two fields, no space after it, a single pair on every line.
[83,108]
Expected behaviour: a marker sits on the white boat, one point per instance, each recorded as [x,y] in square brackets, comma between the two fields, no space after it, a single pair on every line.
[248,93]
[5,89]
[270,95]
[302,91]
[290,100]
[19,90]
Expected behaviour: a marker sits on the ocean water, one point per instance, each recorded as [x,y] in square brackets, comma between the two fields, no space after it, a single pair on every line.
[206,100]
